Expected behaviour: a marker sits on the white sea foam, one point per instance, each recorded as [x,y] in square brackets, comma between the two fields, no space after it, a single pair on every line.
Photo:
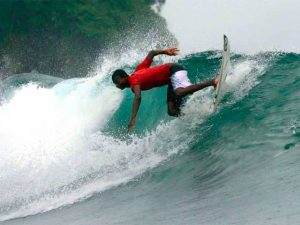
[51,154]
[53,151]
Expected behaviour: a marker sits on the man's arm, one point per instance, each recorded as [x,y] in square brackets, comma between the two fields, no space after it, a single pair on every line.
[135,107]
[168,51]
[148,60]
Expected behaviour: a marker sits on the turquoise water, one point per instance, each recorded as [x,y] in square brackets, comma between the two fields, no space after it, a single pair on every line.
[66,158]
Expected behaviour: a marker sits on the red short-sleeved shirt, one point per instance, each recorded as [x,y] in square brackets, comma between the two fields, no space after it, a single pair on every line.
[147,77]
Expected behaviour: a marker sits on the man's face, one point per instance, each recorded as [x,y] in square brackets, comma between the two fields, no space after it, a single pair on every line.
[121,82]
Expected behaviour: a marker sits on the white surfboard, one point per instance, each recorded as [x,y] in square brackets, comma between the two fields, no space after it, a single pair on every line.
[225,66]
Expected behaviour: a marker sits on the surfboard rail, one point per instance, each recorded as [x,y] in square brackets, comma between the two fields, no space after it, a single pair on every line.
[224,70]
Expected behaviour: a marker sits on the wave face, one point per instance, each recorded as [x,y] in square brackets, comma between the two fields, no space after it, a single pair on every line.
[63,145]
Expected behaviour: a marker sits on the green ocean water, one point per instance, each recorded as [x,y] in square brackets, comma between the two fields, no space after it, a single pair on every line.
[238,165]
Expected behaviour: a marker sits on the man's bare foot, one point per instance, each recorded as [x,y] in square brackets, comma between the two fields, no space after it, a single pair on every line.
[216,81]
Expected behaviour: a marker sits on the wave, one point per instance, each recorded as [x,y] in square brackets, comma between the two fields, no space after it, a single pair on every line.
[64,143]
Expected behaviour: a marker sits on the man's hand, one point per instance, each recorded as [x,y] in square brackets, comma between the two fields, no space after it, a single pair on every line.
[131,124]
[172,51]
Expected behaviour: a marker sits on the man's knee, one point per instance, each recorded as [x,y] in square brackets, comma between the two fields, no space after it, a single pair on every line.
[172,113]
[179,92]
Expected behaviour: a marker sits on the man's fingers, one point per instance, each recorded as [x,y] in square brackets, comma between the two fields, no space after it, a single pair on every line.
[175,51]
[172,50]
[129,128]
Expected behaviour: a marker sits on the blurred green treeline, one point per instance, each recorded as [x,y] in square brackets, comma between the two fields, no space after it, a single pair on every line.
[61,37]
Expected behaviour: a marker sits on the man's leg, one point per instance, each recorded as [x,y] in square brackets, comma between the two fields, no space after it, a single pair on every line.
[173,109]
[183,91]
[182,84]
[174,101]
[183,87]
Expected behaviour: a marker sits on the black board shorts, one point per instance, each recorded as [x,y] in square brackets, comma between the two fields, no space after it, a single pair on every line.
[171,95]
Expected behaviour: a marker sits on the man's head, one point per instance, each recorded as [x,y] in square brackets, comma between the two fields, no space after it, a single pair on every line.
[120,79]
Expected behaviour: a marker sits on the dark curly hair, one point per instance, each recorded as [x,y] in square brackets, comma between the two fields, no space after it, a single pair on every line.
[117,74]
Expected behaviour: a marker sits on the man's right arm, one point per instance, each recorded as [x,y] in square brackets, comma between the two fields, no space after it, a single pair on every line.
[168,51]
[148,60]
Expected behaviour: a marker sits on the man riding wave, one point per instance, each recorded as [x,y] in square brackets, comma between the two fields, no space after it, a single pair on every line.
[145,77]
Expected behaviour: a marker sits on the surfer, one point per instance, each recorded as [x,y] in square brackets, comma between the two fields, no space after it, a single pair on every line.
[145,77]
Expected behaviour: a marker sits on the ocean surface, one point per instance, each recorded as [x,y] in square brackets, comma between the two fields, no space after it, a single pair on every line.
[66,158]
